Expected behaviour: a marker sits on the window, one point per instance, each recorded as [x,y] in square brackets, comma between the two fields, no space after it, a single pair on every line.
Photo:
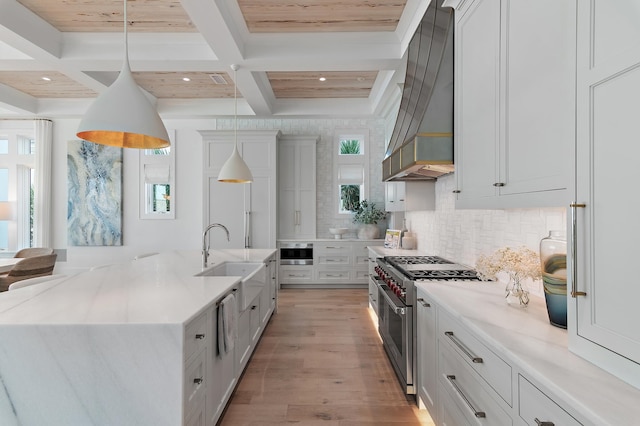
[157,182]
[17,169]
[351,165]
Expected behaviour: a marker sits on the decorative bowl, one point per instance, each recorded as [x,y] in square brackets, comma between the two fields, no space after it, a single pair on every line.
[338,232]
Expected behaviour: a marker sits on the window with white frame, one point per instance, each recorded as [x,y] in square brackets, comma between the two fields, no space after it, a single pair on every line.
[157,182]
[351,166]
[17,169]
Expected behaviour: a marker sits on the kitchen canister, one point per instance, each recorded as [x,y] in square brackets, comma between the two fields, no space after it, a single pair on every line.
[553,261]
[408,241]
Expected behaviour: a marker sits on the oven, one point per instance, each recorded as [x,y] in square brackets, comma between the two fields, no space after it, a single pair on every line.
[296,254]
[395,325]
[395,278]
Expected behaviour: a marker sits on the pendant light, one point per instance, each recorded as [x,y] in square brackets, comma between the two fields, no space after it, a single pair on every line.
[235,170]
[122,115]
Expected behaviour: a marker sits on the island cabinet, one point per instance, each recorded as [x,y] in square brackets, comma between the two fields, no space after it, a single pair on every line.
[514,102]
[297,186]
[481,361]
[603,312]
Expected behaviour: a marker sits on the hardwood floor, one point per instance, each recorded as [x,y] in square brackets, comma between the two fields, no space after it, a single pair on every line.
[321,362]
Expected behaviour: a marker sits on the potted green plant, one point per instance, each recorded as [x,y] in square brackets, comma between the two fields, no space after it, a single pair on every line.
[367,214]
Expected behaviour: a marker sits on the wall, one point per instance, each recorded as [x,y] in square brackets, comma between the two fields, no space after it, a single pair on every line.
[141,236]
[463,235]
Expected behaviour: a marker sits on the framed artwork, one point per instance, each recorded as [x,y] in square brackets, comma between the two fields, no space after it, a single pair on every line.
[392,238]
[94,188]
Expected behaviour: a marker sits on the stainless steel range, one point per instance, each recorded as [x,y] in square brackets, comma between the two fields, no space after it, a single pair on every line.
[395,278]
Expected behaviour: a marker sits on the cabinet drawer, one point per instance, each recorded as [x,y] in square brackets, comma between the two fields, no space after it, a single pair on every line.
[465,388]
[329,275]
[302,274]
[487,364]
[537,408]
[194,383]
[195,336]
[333,248]
[197,417]
[362,260]
[334,260]
[361,276]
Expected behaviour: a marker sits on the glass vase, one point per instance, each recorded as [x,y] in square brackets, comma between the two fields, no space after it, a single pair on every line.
[553,261]
[516,293]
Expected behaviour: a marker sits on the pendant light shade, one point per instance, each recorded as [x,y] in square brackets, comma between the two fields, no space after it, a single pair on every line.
[122,115]
[235,170]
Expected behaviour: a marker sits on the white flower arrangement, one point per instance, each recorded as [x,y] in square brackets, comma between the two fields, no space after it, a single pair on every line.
[518,263]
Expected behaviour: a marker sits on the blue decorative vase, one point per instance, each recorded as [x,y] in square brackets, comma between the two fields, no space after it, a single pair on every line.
[553,260]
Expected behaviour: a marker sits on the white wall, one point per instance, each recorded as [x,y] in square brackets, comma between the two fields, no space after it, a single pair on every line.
[463,235]
[141,236]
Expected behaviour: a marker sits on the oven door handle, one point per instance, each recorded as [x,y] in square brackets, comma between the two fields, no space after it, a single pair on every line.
[398,310]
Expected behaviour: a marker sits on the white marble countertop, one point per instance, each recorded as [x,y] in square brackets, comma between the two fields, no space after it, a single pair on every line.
[156,289]
[527,339]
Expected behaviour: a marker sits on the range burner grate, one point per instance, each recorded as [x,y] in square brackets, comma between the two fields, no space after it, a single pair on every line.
[446,275]
[416,260]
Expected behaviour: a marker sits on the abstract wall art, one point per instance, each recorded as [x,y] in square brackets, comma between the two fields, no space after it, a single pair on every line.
[94,184]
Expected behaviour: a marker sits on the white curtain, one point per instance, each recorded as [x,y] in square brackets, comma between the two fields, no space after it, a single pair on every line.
[42,187]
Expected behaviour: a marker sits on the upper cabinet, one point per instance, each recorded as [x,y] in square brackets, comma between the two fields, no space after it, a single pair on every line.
[297,187]
[410,195]
[603,314]
[514,103]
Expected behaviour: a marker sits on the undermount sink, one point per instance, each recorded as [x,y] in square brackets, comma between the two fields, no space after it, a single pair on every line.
[253,277]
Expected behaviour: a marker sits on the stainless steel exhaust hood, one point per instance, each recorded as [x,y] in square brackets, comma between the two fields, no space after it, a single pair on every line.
[421,146]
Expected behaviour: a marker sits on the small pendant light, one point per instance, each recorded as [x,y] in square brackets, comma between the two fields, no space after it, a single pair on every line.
[235,170]
[122,115]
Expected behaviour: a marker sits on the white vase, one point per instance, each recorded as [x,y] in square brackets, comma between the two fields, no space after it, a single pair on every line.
[368,231]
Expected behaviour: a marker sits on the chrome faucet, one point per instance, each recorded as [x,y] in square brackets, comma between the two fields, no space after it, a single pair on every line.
[205,247]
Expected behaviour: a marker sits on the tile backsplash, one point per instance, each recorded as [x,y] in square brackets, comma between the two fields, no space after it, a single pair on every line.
[462,235]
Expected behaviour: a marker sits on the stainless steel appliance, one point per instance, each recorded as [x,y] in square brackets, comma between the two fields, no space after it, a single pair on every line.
[296,254]
[395,278]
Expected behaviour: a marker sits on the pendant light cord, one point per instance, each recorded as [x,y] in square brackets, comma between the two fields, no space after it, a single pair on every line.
[126,39]
[235,107]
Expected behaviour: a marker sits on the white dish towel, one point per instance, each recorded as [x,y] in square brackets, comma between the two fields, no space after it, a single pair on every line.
[226,324]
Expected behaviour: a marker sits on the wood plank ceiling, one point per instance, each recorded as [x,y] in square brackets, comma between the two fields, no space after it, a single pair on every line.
[276,18]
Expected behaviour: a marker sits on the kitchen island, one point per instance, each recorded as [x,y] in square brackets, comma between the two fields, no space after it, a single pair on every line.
[127,344]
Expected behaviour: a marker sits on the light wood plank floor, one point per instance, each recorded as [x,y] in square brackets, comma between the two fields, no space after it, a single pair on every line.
[321,362]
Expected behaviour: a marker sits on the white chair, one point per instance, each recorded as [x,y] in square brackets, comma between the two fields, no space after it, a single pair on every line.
[32,281]
[143,255]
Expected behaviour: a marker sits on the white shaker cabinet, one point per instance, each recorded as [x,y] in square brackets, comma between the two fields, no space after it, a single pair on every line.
[297,186]
[247,210]
[427,353]
[394,193]
[604,315]
[515,103]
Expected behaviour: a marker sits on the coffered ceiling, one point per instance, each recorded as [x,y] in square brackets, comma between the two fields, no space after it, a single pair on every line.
[181,52]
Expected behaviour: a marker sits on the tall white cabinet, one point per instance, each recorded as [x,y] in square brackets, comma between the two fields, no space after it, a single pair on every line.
[604,313]
[247,210]
[515,97]
[297,186]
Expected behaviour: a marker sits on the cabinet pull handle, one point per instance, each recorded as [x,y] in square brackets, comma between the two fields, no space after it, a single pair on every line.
[199,336]
[463,348]
[478,414]
[198,380]
[456,191]
[499,184]
[574,249]
[543,423]
[423,303]
[253,307]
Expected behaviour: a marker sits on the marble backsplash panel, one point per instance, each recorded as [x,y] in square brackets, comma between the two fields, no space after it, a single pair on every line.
[464,234]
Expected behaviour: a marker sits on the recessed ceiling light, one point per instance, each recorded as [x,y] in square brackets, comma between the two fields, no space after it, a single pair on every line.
[322,79]
[186,79]
[360,78]
[46,78]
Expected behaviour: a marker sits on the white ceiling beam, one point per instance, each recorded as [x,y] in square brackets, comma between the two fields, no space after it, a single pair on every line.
[16,101]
